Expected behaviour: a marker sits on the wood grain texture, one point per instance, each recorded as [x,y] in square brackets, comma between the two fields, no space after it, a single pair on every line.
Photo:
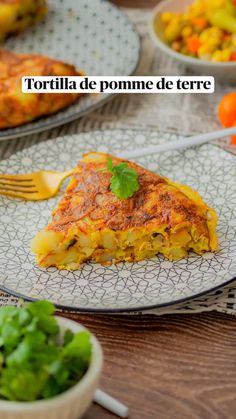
[168,367]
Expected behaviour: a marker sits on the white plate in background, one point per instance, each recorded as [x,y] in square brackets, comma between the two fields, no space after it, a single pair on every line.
[94,35]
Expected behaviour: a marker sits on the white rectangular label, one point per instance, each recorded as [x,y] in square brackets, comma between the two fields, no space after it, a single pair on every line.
[110,84]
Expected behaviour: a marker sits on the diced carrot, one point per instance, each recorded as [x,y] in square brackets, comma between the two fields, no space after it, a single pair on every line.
[193,44]
[199,22]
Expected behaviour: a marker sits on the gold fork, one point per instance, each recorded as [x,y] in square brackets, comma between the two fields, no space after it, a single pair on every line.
[45,184]
[32,186]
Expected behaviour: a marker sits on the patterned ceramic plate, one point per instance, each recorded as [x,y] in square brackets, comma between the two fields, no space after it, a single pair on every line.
[94,35]
[126,286]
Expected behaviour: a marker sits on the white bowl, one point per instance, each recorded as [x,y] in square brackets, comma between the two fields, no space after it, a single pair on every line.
[71,404]
[222,71]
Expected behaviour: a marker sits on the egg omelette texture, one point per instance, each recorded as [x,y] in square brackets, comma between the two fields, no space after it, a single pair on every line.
[16,107]
[91,223]
[17,15]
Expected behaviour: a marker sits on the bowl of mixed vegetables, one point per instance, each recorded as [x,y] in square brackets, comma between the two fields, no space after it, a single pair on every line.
[201,34]
[49,366]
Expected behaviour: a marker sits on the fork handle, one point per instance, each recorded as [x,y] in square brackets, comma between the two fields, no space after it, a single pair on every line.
[184,142]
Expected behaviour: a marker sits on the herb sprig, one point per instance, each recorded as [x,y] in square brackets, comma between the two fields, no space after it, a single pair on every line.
[124,180]
[34,363]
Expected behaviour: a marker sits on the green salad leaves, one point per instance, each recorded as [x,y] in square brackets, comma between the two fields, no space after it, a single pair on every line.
[124,180]
[34,363]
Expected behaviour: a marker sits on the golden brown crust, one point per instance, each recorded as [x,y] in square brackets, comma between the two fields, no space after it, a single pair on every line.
[17,108]
[9,2]
[18,15]
[157,202]
[91,223]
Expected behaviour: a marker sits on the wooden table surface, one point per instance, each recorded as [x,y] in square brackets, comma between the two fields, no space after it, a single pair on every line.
[168,367]
[173,366]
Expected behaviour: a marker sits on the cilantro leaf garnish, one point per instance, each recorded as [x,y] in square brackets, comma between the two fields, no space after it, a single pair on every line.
[34,362]
[124,180]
